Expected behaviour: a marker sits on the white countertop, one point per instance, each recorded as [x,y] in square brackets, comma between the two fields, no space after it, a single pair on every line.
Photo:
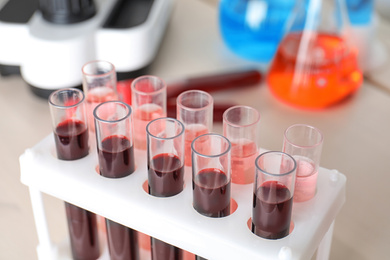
[356,137]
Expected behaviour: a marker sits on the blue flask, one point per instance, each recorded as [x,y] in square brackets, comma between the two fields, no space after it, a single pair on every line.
[360,12]
[252,29]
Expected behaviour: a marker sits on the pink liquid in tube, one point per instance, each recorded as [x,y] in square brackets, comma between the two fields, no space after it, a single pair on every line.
[96,96]
[142,116]
[306,180]
[191,132]
[244,153]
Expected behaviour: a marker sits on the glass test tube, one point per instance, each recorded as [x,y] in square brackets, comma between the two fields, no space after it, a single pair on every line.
[273,194]
[99,85]
[149,101]
[114,138]
[165,150]
[70,129]
[304,143]
[195,111]
[211,175]
[241,127]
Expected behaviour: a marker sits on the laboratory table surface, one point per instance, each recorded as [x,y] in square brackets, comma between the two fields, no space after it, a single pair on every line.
[356,135]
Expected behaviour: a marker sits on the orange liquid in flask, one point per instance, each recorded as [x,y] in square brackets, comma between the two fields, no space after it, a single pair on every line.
[324,74]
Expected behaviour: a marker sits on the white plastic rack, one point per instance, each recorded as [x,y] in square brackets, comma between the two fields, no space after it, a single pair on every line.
[173,219]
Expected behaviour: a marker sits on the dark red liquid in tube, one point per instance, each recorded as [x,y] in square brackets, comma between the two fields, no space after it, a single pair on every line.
[272,208]
[71,138]
[116,160]
[165,179]
[166,175]
[83,231]
[116,157]
[122,241]
[164,251]
[212,193]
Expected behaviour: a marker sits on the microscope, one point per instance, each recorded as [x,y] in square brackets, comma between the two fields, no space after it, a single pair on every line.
[48,41]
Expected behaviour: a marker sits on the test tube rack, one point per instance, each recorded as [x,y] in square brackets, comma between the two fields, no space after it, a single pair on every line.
[173,219]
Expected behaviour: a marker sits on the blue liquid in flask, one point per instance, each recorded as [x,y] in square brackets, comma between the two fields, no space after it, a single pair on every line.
[360,12]
[253,28]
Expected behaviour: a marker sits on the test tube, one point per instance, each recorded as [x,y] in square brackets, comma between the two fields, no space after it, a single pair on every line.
[114,138]
[165,157]
[69,123]
[211,175]
[273,194]
[195,111]
[149,101]
[304,143]
[99,85]
[165,150]
[70,129]
[241,127]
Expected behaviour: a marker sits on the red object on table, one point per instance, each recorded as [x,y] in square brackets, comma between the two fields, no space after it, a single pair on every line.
[216,82]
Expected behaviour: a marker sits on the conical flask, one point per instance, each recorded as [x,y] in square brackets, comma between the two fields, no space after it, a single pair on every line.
[316,65]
